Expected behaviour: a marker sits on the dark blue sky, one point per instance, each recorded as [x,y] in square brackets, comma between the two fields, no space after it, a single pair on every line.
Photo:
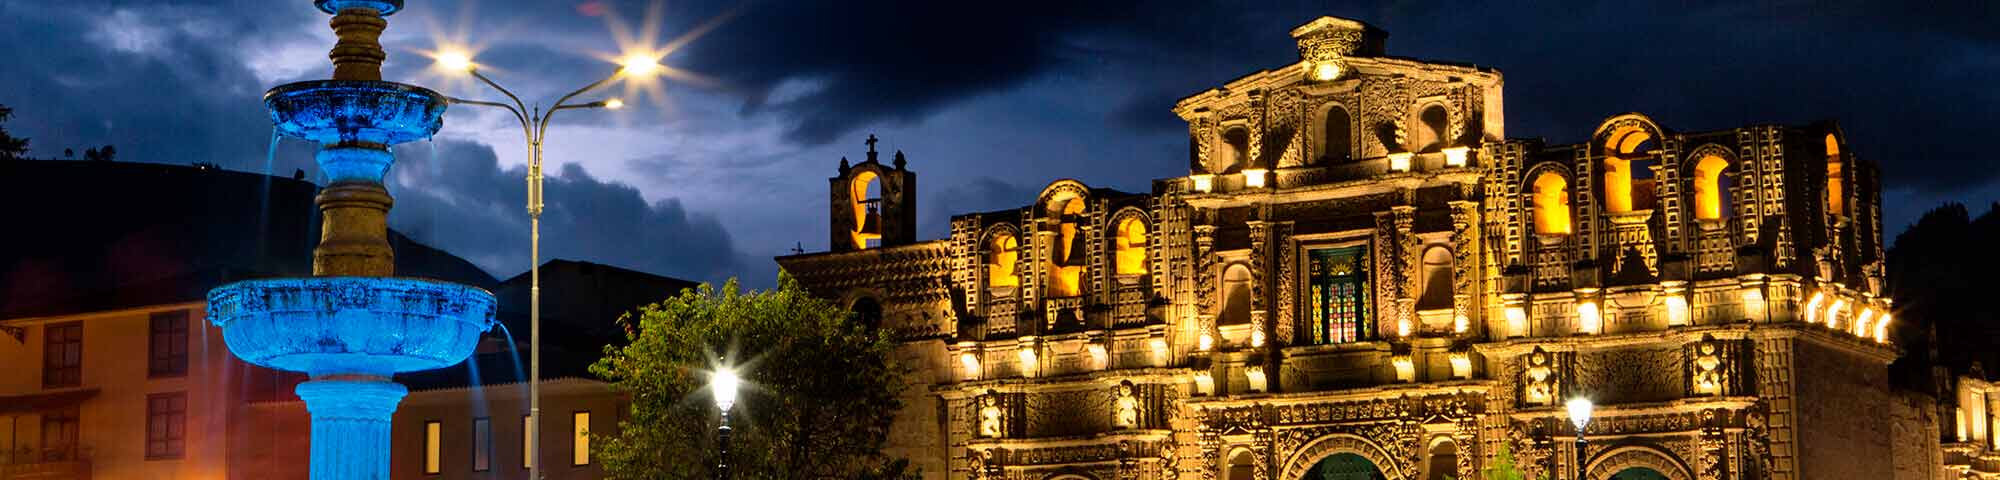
[709,179]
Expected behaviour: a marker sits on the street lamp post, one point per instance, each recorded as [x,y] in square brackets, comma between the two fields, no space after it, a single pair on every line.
[1579,414]
[723,384]
[535,126]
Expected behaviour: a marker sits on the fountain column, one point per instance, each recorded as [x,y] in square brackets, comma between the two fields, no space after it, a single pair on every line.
[352,325]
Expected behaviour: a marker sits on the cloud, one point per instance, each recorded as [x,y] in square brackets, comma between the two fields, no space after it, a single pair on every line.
[460,200]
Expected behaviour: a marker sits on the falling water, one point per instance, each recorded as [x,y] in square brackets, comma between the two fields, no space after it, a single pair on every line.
[264,200]
[520,375]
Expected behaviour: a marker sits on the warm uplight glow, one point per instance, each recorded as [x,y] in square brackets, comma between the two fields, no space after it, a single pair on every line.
[1400,161]
[1579,411]
[1204,383]
[1254,177]
[1517,320]
[1403,327]
[1205,343]
[1455,156]
[639,64]
[1812,307]
[1588,320]
[1677,310]
[1257,338]
[1326,71]
[454,61]
[1551,199]
[723,384]
[1202,183]
[1861,322]
[1833,312]
[1255,377]
[1461,365]
[970,363]
[1406,368]
[1460,324]
[1028,360]
[1129,249]
[1708,193]
[614,104]
[1098,356]
[1882,328]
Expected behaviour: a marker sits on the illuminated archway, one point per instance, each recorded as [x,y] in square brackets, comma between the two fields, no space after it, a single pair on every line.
[1307,457]
[1627,144]
[1633,460]
[865,191]
[1242,465]
[1129,247]
[1066,257]
[1836,177]
[1710,187]
[1551,203]
[1003,255]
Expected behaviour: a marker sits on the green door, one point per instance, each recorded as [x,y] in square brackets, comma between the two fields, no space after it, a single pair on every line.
[1638,473]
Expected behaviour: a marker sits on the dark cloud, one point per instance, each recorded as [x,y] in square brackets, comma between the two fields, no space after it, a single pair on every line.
[980,195]
[460,200]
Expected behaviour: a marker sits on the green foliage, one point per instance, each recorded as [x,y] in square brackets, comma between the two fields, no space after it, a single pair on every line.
[819,390]
[1503,467]
[11,148]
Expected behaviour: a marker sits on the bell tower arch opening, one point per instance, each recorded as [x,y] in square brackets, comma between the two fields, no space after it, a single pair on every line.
[872,204]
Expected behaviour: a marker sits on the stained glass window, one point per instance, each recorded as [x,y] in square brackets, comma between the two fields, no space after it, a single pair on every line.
[1337,306]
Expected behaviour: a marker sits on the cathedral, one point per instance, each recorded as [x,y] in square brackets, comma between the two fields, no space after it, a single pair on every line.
[1362,276]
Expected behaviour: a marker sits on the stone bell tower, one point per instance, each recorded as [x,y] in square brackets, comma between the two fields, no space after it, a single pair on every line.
[873,205]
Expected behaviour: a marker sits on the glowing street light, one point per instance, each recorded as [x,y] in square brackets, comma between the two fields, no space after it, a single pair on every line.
[535,126]
[639,64]
[723,384]
[1579,414]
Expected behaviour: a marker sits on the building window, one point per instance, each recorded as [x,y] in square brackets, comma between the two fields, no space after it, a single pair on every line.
[527,441]
[59,430]
[1131,247]
[1430,132]
[1338,295]
[168,345]
[1437,280]
[1628,172]
[1836,200]
[482,444]
[62,355]
[433,438]
[1443,463]
[867,209]
[1235,296]
[1551,203]
[1235,151]
[166,425]
[1336,135]
[579,449]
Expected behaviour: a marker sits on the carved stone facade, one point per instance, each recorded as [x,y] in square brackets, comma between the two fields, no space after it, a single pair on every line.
[1361,268]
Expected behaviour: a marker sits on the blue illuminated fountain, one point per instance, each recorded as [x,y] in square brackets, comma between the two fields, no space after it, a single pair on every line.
[353,325]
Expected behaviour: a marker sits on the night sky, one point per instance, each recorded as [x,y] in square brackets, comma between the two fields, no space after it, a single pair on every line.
[707,178]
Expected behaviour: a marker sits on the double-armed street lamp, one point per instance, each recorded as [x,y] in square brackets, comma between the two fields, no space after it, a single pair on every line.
[723,384]
[1579,414]
[535,126]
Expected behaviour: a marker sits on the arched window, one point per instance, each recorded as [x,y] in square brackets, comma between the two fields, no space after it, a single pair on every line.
[1337,295]
[1836,199]
[1628,172]
[1235,295]
[865,191]
[1443,462]
[1066,257]
[1336,135]
[1242,465]
[1430,132]
[1234,151]
[1003,253]
[1711,188]
[1551,203]
[867,312]
[1130,247]
[1437,279]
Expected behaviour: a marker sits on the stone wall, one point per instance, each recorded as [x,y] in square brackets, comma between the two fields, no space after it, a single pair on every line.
[1843,413]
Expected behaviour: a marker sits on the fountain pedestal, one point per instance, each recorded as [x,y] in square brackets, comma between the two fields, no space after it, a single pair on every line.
[350,425]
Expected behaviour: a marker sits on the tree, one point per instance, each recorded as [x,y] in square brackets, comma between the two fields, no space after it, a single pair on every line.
[1503,467]
[108,153]
[11,147]
[819,389]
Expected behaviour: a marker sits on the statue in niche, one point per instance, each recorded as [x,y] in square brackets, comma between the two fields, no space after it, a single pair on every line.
[1708,366]
[1127,412]
[989,415]
[1540,384]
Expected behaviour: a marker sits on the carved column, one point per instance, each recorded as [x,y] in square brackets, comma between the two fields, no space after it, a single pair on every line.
[1466,243]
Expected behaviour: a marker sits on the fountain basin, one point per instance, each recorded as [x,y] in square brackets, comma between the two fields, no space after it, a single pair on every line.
[351,325]
[385,7]
[356,116]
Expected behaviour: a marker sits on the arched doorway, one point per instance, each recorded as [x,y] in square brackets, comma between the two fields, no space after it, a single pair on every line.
[1344,466]
[1638,473]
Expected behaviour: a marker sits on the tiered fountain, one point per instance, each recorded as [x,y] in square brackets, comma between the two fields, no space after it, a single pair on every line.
[353,325]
